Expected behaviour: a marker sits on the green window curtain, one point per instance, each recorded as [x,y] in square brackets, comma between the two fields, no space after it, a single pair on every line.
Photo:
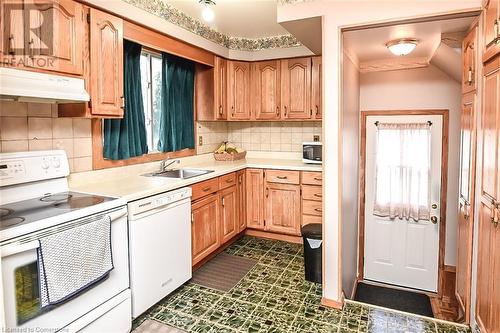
[177,104]
[126,138]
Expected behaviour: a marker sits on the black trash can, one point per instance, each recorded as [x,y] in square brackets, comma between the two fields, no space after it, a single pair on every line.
[313,248]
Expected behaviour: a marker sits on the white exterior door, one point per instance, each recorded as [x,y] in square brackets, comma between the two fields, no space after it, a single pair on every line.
[403,252]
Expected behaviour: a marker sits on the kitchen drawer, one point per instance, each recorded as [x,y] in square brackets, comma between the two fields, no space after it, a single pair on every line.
[310,192]
[312,207]
[312,178]
[204,188]
[307,219]
[283,176]
[227,180]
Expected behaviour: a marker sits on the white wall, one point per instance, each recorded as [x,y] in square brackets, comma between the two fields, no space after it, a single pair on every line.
[336,15]
[416,89]
[350,166]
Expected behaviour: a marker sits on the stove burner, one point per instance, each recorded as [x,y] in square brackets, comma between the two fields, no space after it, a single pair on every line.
[11,221]
[5,212]
[56,197]
[83,202]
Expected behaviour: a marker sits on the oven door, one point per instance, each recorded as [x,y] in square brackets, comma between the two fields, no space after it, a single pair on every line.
[21,283]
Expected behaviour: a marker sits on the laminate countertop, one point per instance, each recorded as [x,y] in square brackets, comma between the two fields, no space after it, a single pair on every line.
[130,183]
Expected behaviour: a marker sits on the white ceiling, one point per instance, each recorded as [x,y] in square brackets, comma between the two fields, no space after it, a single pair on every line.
[368,45]
[237,18]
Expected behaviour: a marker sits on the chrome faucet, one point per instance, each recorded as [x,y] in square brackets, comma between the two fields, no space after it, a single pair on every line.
[165,164]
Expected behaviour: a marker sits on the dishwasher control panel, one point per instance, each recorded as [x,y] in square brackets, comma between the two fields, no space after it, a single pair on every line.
[158,201]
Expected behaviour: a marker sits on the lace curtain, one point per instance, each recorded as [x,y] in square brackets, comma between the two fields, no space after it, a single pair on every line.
[402,174]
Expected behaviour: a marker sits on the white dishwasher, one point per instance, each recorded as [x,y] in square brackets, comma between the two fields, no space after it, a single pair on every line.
[160,246]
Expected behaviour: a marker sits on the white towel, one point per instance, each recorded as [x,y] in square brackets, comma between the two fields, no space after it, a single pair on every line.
[73,260]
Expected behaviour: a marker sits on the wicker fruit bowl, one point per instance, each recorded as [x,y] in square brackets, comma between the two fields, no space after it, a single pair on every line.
[229,152]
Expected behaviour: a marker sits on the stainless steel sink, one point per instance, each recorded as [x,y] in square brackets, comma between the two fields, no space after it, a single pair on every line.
[179,173]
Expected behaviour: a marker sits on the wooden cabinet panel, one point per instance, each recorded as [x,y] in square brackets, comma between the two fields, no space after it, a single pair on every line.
[238,90]
[283,176]
[307,219]
[56,45]
[282,208]
[204,188]
[227,180]
[255,198]
[316,80]
[312,178]
[204,227]
[228,216]
[106,64]
[491,29]
[466,203]
[469,61]
[490,130]
[265,90]
[296,88]
[241,200]
[312,207]
[495,291]
[220,88]
[12,40]
[314,193]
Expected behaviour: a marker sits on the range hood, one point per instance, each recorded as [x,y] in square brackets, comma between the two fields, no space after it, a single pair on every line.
[27,86]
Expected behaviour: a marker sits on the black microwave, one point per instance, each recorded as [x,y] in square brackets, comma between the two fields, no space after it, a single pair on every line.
[312,152]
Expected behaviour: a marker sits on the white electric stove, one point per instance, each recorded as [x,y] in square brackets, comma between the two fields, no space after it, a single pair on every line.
[35,202]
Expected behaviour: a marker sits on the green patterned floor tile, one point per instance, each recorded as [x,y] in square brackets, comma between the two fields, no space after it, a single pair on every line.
[286,248]
[175,319]
[249,291]
[228,318]
[265,318]
[307,325]
[320,313]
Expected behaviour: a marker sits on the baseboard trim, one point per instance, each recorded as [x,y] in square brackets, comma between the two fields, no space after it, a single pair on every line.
[331,303]
[272,235]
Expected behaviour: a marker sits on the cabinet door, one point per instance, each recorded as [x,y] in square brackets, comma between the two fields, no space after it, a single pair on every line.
[469,52]
[282,208]
[56,42]
[466,198]
[491,27]
[316,77]
[106,64]
[238,90]
[296,88]
[241,200]
[266,90]
[205,236]
[220,88]
[228,216]
[255,198]
[12,39]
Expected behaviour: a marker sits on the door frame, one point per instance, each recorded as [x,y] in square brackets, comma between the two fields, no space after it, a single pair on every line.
[444,185]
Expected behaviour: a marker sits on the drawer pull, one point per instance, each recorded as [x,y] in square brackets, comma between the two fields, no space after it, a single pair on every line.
[206,189]
[230,180]
[319,210]
[318,179]
[281,177]
[317,195]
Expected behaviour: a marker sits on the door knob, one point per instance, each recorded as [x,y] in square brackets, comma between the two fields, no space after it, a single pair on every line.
[434,219]
[434,206]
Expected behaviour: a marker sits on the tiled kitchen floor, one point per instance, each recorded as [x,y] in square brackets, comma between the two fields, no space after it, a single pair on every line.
[274,297]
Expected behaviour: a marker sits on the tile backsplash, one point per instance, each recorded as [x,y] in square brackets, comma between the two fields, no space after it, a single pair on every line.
[35,126]
[257,136]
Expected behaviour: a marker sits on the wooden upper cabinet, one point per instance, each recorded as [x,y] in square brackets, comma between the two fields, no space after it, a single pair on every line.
[205,237]
[469,61]
[282,208]
[106,64]
[316,80]
[238,90]
[265,90]
[255,198]
[220,88]
[490,131]
[241,200]
[491,28]
[12,39]
[228,213]
[295,88]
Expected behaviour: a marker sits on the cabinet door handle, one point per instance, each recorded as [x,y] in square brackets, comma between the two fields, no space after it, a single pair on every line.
[30,46]
[317,110]
[317,195]
[11,45]
[239,180]
[318,179]
[319,210]
[223,202]
[192,217]
[221,111]
[285,110]
[267,192]
[206,189]
[466,211]
[469,76]
[123,102]
[496,30]
[281,177]
[232,111]
[278,111]
[230,180]
[493,212]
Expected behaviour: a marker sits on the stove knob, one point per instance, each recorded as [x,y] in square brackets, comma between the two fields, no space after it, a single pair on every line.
[45,165]
[56,162]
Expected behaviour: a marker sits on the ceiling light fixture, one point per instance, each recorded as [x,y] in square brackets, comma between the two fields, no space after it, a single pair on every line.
[207,13]
[402,47]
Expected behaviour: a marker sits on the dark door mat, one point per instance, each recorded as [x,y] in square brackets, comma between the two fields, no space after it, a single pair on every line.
[223,272]
[401,300]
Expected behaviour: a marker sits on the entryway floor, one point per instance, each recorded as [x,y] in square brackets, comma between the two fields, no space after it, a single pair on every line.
[274,297]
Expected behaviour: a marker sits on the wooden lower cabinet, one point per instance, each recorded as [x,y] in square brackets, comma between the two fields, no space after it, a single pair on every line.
[255,198]
[205,236]
[228,216]
[282,208]
[241,197]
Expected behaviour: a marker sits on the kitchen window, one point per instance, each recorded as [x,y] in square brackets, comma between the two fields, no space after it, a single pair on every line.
[151,96]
